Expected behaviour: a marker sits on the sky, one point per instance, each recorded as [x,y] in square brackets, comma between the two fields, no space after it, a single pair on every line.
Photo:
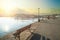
[38,3]
[30,5]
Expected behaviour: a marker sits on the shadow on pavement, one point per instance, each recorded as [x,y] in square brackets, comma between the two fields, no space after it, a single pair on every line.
[36,36]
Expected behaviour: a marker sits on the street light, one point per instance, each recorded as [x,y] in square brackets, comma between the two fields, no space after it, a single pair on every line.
[38,14]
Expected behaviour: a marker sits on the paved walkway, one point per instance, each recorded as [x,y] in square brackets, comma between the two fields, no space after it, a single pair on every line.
[50,29]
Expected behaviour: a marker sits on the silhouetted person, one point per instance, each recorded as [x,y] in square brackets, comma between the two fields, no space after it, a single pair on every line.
[38,20]
[48,39]
[48,17]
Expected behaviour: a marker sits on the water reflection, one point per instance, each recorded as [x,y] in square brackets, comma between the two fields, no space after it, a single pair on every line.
[10,24]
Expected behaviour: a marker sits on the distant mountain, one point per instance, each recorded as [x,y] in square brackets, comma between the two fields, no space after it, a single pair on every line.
[20,11]
[22,14]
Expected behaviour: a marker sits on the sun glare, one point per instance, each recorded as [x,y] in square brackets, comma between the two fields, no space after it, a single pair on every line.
[8,6]
[5,28]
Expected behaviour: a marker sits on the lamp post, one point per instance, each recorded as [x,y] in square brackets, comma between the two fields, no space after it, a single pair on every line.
[38,14]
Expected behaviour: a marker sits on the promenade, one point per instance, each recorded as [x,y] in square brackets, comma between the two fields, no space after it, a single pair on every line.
[44,30]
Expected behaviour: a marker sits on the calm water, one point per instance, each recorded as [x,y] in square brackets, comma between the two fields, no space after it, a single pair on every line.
[9,24]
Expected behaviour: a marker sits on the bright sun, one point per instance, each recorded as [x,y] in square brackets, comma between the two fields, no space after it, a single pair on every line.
[8,6]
